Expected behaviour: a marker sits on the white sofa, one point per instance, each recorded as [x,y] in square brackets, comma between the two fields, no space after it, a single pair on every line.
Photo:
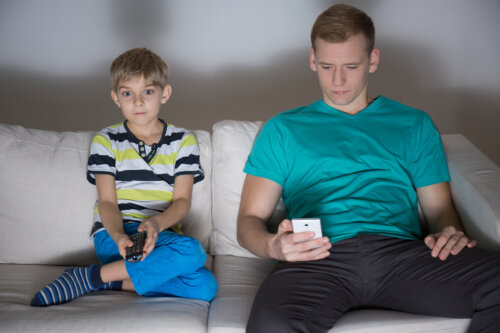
[46,214]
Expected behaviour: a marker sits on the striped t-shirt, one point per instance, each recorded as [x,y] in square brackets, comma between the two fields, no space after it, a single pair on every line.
[144,176]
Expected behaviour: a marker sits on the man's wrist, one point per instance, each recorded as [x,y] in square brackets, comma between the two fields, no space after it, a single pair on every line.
[272,247]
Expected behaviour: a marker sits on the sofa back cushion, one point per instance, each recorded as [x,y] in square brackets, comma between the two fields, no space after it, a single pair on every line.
[475,187]
[47,202]
[232,142]
[198,223]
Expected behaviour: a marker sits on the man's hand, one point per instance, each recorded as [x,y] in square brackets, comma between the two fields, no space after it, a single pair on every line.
[449,240]
[152,229]
[288,246]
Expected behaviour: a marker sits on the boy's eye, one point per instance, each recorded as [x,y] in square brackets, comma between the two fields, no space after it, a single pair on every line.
[149,91]
[126,93]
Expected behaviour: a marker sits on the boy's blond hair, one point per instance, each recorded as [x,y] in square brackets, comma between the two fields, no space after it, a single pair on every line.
[139,62]
[339,22]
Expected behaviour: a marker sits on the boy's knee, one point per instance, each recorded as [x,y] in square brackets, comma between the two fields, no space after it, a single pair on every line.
[200,285]
[209,288]
[185,248]
[193,249]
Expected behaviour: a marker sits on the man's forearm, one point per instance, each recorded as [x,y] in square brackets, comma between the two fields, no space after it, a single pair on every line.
[253,236]
[446,218]
[438,208]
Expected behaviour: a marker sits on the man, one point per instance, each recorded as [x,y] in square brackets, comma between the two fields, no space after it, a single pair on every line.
[362,166]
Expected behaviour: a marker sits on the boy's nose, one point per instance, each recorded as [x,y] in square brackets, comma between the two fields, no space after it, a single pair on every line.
[138,101]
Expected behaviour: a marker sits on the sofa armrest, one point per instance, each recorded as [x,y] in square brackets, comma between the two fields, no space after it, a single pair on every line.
[475,187]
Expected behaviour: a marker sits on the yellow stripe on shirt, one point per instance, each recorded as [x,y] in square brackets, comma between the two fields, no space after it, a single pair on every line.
[144,195]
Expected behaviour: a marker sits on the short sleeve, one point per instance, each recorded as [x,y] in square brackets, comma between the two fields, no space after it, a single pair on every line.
[429,159]
[101,158]
[188,158]
[267,158]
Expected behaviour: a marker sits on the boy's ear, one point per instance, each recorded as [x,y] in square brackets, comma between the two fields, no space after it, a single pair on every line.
[114,97]
[167,92]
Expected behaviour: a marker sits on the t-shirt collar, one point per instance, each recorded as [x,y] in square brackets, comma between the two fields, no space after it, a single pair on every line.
[322,106]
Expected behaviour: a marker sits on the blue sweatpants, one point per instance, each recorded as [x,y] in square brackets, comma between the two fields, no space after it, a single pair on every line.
[174,268]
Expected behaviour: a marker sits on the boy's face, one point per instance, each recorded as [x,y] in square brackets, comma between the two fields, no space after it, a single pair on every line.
[342,70]
[140,100]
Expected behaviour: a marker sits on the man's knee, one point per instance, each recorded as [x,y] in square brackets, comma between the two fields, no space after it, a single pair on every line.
[266,320]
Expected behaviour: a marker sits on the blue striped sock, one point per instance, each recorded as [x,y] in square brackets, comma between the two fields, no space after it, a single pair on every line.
[114,285]
[74,282]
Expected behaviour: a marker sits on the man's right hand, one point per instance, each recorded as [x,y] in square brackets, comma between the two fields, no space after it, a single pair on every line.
[258,201]
[301,246]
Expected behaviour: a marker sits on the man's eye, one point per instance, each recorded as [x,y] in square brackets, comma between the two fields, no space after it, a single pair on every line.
[352,67]
[325,67]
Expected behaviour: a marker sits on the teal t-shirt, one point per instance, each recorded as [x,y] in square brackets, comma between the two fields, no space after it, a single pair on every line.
[358,173]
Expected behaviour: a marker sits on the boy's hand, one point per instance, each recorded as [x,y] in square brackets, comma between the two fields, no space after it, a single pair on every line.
[123,242]
[152,230]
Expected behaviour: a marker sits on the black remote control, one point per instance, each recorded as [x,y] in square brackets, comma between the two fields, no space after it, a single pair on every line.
[134,253]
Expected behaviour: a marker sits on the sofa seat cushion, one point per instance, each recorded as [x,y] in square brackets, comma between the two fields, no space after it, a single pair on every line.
[104,311]
[240,277]
[385,321]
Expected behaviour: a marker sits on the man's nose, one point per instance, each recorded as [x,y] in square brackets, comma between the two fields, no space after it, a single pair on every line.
[338,78]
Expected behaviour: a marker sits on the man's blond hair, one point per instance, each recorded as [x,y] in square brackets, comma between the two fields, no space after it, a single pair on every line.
[339,22]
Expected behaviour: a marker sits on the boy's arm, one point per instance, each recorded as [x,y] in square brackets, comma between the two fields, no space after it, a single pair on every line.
[110,213]
[258,201]
[178,210]
[446,231]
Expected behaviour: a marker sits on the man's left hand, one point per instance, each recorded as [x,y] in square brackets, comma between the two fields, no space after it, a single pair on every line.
[449,240]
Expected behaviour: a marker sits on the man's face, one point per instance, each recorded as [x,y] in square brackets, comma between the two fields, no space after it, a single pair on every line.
[343,70]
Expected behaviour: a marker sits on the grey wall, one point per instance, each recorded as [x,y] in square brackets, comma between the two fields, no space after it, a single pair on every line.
[244,60]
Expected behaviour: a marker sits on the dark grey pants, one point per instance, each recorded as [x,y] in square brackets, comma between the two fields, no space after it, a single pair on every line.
[371,271]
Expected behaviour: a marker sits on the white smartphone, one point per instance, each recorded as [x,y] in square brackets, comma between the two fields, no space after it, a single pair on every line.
[307,224]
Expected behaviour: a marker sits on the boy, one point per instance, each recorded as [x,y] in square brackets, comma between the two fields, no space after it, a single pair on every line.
[144,170]
[362,165]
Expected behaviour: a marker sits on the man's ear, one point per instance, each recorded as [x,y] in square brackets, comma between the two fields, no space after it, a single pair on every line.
[374,60]
[114,97]
[312,60]
[167,92]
